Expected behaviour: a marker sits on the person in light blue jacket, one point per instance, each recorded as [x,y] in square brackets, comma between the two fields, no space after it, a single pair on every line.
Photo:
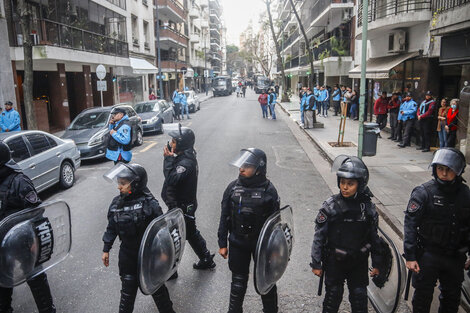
[303,98]
[10,118]
[184,105]
[176,104]
[120,139]
[324,99]
[408,116]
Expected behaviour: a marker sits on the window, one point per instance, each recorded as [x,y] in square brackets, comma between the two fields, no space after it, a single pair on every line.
[38,142]
[130,111]
[52,142]
[19,150]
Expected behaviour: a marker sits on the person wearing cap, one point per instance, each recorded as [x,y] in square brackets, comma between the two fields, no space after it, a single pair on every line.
[408,116]
[176,104]
[380,110]
[345,235]
[10,118]
[120,137]
[436,233]
[309,109]
[303,98]
[247,203]
[425,118]
[336,96]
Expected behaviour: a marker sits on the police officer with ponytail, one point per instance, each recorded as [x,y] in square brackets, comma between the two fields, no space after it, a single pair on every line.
[247,202]
[128,217]
[437,233]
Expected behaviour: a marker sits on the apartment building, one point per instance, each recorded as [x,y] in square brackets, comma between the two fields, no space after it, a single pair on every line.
[7,87]
[215,26]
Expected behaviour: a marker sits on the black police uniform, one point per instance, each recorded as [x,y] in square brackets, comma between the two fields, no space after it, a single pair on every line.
[17,192]
[345,234]
[246,204]
[179,191]
[128,218]
[437,230]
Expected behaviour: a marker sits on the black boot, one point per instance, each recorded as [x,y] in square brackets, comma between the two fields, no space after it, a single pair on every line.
[128,293]
[42,294]
[237,293]
[162,300]
[270,301]
[5,300]
[205,263]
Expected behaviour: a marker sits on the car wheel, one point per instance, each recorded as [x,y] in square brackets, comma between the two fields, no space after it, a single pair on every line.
[140,139]
[67,175]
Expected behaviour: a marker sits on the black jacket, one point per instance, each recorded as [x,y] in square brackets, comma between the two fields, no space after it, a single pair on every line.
[180,185]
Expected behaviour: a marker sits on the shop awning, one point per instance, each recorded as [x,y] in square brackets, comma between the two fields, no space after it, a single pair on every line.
[379,68]
[142,67]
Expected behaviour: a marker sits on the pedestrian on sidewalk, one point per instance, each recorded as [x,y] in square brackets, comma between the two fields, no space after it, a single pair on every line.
[272,103]
[176,104]
[408,111]
[354,100]
[309,109]
[324,98]
[347,99]
[303,97]
[425,115]
[345,235]
[10,118]
[263,101]
[380,110]
[436,233]
[316,94]
[393,108]
[401,122]
[451,127]
[442,122]
[336,99]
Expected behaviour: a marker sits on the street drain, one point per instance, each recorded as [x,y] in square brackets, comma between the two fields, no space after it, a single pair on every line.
[345,144]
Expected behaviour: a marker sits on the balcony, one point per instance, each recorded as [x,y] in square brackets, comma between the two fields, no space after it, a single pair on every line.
[215,44]
[293,37]
[386,15]
[194,38]
[194,12]
[171,38]
[171,65]
[171,10]
[453,16]
[214,4]
[204,23]
[319,13]
[60,35]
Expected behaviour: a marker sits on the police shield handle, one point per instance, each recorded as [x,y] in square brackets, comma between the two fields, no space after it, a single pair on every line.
[223,252]
[408,283]
[105,258]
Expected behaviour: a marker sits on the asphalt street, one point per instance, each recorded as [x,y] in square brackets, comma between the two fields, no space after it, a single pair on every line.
[223,126]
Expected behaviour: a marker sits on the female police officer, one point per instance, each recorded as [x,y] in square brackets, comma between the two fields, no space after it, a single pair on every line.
[247,202]
[128,217]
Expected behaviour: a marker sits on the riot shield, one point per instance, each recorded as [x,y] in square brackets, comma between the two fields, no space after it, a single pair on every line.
[465,301]
[384,291]
[273,249]
[32,241]
[161,250]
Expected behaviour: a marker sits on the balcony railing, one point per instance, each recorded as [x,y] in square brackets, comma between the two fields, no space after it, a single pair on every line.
[379,10]
[316,8]
[61,35]
[444,5]
[294,62]
[166,32]
[290,39]
[178,8]
[332,47]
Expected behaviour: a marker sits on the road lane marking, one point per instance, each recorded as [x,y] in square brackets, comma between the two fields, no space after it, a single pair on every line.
[148,147]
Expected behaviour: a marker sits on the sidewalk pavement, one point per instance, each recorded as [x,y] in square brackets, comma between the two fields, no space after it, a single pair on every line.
[394,172]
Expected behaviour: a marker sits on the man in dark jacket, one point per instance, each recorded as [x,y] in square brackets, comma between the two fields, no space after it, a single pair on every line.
[425,119]
[380,110]
[180,169]
[17,193]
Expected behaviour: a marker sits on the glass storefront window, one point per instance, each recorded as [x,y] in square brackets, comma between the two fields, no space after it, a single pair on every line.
[130,89]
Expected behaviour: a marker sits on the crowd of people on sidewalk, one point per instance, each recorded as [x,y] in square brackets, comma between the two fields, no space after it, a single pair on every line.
[267,102]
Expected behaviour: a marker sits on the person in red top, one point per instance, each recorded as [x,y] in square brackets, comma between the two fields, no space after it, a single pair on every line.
[263,101]
[393,107]
[425,119]
[451,127]
[380,110]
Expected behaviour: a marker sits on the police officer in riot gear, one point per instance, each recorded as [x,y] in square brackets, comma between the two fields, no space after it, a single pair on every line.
[345,235]
[247,202]
[437,229]
[17,192]
[128,217]
[180,187]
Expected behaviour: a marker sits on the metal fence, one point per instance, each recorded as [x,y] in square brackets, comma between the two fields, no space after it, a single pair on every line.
[444,5]
[381,9]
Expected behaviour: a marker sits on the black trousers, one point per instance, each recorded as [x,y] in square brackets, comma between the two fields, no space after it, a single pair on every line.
[194,237]
[394,124]
[425,132]
[449,271]
[382,120]
[408,130]
[336,107]
[451,138]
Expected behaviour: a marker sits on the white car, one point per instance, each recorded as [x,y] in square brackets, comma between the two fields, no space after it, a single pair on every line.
[193,101]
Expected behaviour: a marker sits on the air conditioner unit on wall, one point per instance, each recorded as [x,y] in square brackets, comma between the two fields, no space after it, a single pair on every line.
[397,41]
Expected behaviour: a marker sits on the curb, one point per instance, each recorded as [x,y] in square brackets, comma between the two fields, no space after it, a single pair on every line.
[381,209]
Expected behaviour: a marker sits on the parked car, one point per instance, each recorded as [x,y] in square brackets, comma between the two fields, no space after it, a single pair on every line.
[193,101]
[154,114]
[44,158]
[90,131]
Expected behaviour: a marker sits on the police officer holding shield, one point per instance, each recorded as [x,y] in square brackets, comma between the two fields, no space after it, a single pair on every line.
[345,235]
[247,202]
[17,192]
[180,188]
[437,230]
[128,217]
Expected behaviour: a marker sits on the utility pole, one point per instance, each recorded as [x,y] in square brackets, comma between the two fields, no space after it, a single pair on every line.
[365,20]
[159,59]
[205,63]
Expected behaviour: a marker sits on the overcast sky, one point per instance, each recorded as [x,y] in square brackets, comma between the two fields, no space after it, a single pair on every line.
[237,14]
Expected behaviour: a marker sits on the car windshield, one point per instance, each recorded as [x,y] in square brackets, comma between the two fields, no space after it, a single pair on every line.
[146,107]
[188,94]
[90,120]
[221,82]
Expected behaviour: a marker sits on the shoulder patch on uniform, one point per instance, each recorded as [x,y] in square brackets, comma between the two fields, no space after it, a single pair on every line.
[32,197]
[180,169]
[321,217]
[413,206]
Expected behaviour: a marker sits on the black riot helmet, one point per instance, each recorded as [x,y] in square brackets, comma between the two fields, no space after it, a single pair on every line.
[5,153]
[351,167]
[251,157]
[184,137]
[450,157]
[134,173]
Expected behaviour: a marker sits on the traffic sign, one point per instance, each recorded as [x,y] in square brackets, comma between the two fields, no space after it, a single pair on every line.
[100,71]
[101,85]
[183,70]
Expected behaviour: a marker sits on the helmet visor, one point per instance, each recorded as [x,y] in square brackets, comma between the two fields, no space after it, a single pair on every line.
[449,158]
[339,160]
[120,174]
[350,167]
[246,159]
[173,129]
